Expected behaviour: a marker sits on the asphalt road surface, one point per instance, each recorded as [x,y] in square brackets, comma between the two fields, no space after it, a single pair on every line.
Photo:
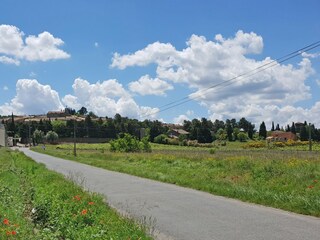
[179,213]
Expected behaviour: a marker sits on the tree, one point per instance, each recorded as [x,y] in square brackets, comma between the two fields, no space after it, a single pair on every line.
[277,127]
[38,136]
[52,137]
[263,130]
[242,137]
[82,111]
[229,131]
[293,128]
[304,134]
[272,128]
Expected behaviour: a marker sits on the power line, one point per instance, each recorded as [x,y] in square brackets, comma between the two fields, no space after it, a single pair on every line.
[250,73]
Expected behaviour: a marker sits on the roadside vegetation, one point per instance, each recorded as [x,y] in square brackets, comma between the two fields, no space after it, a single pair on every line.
[284,177]
[39,204]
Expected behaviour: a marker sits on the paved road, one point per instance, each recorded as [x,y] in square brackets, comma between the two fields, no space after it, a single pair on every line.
[180,213]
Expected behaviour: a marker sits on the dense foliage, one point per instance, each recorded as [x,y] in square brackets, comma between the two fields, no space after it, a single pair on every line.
[202,130]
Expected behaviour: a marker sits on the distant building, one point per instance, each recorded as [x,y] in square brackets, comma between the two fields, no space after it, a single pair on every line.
[280,136]
[57,114]
[175,133]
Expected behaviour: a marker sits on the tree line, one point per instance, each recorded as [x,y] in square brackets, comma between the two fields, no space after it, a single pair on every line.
[201,130]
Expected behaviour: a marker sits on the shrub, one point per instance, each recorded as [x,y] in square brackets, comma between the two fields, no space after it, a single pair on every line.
[259,144]
[161,139]
[129,143]
[52,137]
[38,136]
[279,144]
[242,137]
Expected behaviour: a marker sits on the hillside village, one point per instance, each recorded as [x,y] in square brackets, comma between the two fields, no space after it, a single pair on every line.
[89,128]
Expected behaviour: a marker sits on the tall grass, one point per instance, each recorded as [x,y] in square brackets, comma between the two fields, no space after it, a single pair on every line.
[39,204]
[288,180]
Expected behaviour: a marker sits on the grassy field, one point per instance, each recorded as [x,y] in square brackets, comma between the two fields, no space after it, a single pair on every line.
[281,178]
[39,204]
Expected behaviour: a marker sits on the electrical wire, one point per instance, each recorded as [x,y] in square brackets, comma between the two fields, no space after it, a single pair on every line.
[248,74]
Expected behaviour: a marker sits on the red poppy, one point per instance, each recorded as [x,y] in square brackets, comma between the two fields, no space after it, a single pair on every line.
[77,197]
[13,232]
[315,181]
[6,221]
[84,212]
[310,186]
[90,203]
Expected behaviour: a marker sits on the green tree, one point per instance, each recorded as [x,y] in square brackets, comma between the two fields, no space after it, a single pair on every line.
[242,137]
[293,128]
[52,137]
[263,130]
[304,134]
[38,136]
[229,131]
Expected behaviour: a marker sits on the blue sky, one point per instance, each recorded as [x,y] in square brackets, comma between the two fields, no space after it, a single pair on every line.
[133,57]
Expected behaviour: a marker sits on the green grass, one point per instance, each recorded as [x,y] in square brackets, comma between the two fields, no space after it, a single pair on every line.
[283,179]
[39,204]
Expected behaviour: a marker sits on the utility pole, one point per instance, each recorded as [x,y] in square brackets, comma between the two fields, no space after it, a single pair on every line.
[74,138]
[310,142]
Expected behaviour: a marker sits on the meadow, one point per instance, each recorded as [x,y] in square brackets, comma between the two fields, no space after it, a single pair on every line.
[40,204]
[285,178]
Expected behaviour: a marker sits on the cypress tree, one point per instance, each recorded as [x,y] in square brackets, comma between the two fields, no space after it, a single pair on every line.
[272,128]
[293,128]
[303,134]
[263,130]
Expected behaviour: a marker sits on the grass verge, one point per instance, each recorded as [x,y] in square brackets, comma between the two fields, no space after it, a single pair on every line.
[40,204]
[288,180]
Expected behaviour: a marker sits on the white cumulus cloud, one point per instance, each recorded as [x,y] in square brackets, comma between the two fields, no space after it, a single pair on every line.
[14,48]
[148,86]
[32,98]
[106,98]
[204,63]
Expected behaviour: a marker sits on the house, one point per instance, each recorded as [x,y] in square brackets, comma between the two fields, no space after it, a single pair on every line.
[280,136]
[175,133]
[57,114]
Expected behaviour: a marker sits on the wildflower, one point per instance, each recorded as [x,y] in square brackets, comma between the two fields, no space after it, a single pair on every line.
[6,221]
[13,232]
[315,181]
[84,212]
[77,197]
[8,233]
[90,203]
[310,187]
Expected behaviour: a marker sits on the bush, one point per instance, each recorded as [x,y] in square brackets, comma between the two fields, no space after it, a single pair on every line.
[259,144]
[52,137]
[161,139]
[279,144]
[38,136]
[129,143]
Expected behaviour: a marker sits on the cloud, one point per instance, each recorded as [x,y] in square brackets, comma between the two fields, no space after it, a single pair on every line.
[106,98]
[148,86]
[32,98]
[8,60]
[310,55]
[180,119]
[96,44]
[43,47]
[5,88]
[203,64]
[318,82]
